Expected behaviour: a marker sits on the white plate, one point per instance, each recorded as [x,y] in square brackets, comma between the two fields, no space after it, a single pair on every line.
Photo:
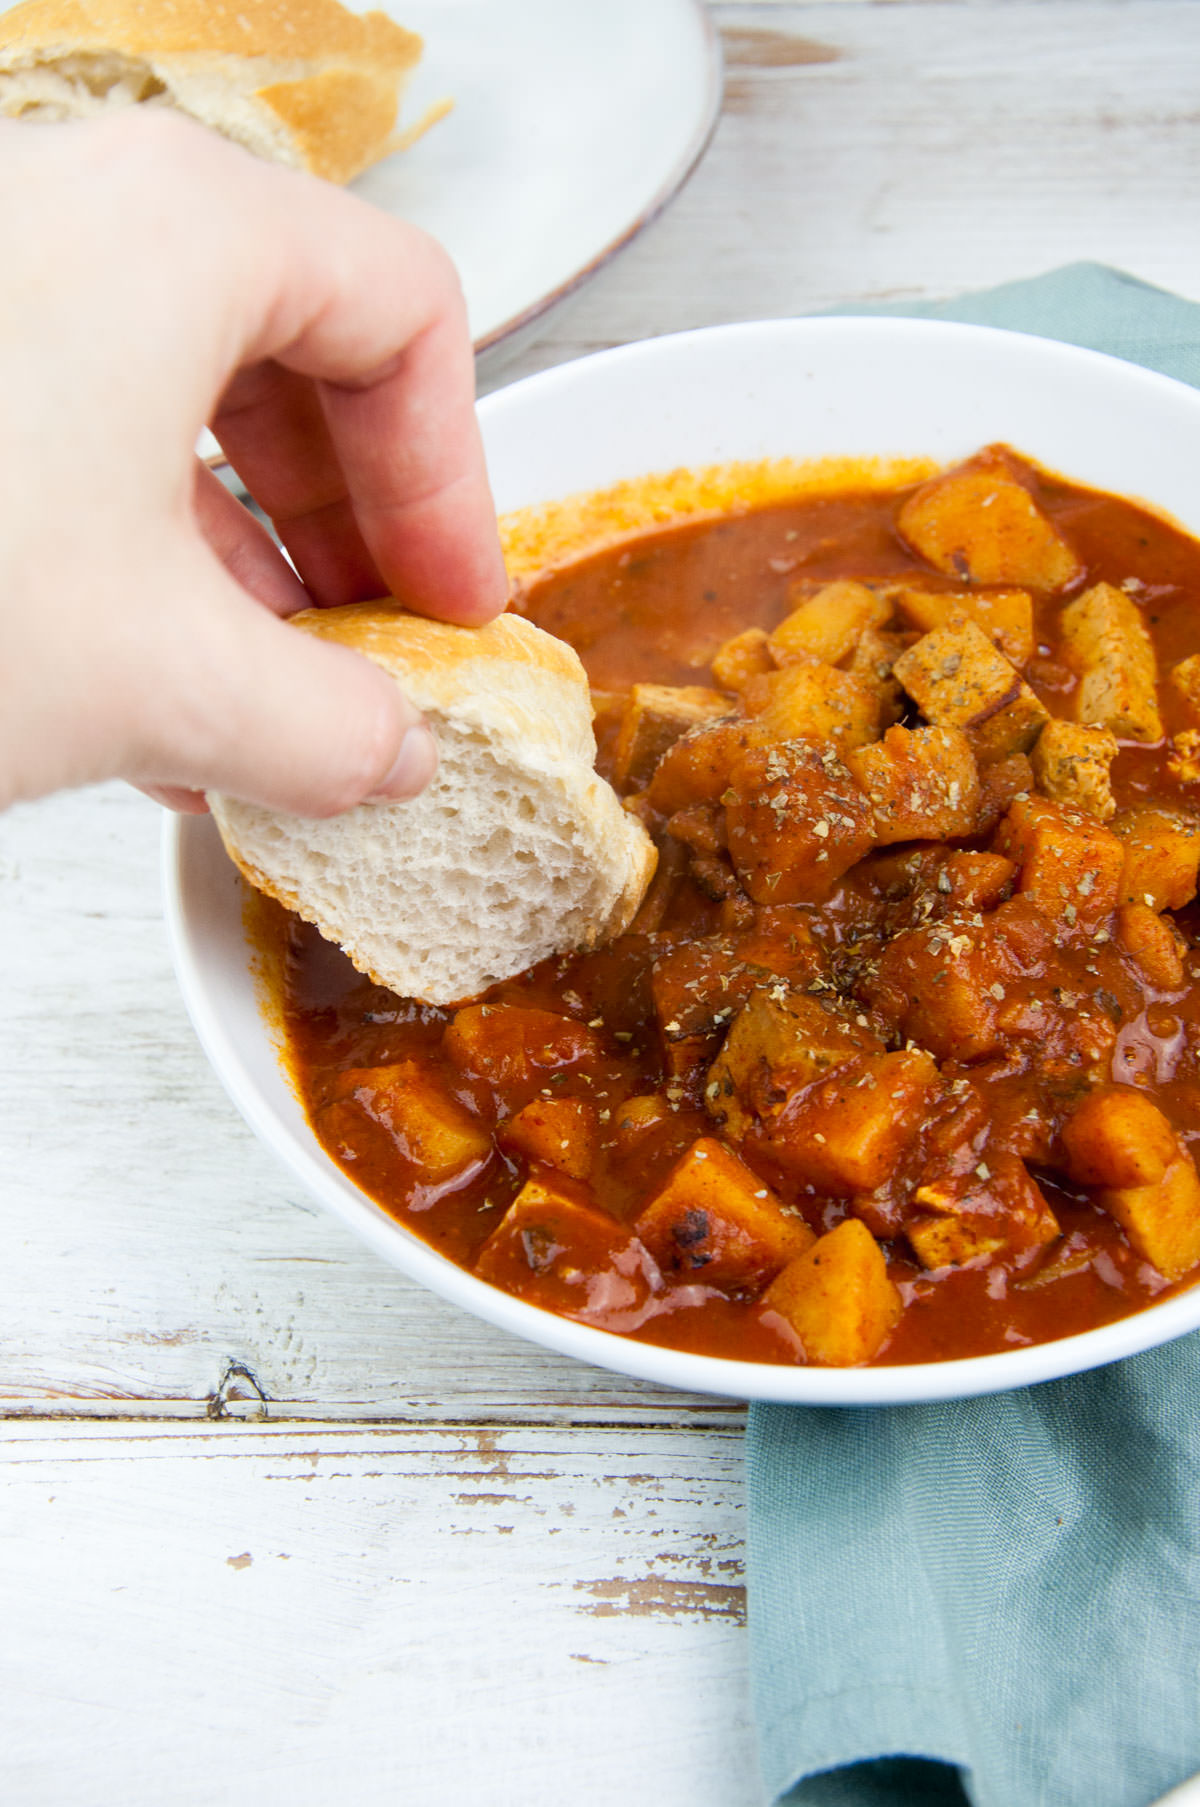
[574,122]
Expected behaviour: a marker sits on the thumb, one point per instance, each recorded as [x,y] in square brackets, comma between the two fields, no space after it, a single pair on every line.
[253,707]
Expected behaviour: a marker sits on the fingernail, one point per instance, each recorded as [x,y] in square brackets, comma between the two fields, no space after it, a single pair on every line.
[415,765]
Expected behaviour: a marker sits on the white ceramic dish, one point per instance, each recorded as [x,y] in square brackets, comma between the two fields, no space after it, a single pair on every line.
[800,388]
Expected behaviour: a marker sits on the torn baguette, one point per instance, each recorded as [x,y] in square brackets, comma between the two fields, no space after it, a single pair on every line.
[305,83]
[516,851]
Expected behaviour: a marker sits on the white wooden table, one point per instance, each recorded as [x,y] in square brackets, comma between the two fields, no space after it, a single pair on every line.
[275,1525]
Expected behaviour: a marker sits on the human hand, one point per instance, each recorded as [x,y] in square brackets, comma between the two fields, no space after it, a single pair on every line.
[156,279]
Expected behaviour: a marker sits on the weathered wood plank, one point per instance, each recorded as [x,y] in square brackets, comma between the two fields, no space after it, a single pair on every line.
[514,1618]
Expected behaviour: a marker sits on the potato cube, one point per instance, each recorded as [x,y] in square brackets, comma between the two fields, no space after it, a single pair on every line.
[982,526]
[635,1121]
[958,680]
[1155,943]
[977,881]
[837,1299]
[656,715]
[829,623]
[1001,782]
[922,783]
[696,767]
[714,1219]
[1183,760]
[1005,616]
[555,1250]
[1162,855]
[1161,1220]
[747,655]
[1118,1138]
[514,1049]
[699,987]
[1070,865]
[1072,764]
[1108,643]
[1185,681]
[796,822]
[812,701]
[779,1041]
[428,1126]
[846,1133]
[873,662]
[994,1210]
[562,1132]
[937,985]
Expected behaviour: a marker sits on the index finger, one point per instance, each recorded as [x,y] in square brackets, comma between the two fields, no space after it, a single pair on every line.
[377,467]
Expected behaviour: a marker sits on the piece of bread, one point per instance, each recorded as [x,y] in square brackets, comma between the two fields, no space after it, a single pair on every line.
[305,83]
[516,851]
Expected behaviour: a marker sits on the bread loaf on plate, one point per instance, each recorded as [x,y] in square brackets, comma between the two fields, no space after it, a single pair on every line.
[516,851]
[305,83]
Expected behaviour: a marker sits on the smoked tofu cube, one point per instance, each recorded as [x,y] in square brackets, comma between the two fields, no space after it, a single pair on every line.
[922,783]
[993,1211]
[1118,1139]
[984,527]
[554,1249]
[958,680]
[696,767]
[810,700]
[837,1299]
[1161,1220]
[1107,641]
[778,1042]
[515,1049]
[428,1126]
[561,1132]
[829,624]
[1071,865]
[796,822]
[747,655]
[1072,763]
[1005,616]
[846,1134]
[1155,943]
[1185,681]
[655,716]
[713,1219]
[1162,855]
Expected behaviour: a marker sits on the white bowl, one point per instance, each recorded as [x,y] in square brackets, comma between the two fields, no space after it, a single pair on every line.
[787,388]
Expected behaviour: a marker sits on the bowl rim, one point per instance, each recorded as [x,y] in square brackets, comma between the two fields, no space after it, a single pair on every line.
[681,1371]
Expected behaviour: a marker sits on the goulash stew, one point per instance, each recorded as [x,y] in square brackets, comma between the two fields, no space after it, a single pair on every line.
[900,1059]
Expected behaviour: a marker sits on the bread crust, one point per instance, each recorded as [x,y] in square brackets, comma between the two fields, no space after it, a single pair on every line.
[307,81]
[516,699]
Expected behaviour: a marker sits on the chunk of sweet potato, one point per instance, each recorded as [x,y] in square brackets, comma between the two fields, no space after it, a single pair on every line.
[1108,643]
[1162,1219]
[982,526]
[837,1299]
[655,717]
[516,1049]
[937,984]
[958,680]
[562,1132]
[746,655]
[428,1126]
[922,783]
[555,1250]
[1072,763]
[779,1041]
[714,1219]
[1005,616]
[696,767]
[1070,864]
[1154,942]
[995,1210]
[1162,855]
[1118,1138]
[810,700]
[796,821]
[846,1133]
[829,623]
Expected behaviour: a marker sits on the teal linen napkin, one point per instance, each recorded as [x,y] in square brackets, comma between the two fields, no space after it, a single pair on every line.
[994,1601]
